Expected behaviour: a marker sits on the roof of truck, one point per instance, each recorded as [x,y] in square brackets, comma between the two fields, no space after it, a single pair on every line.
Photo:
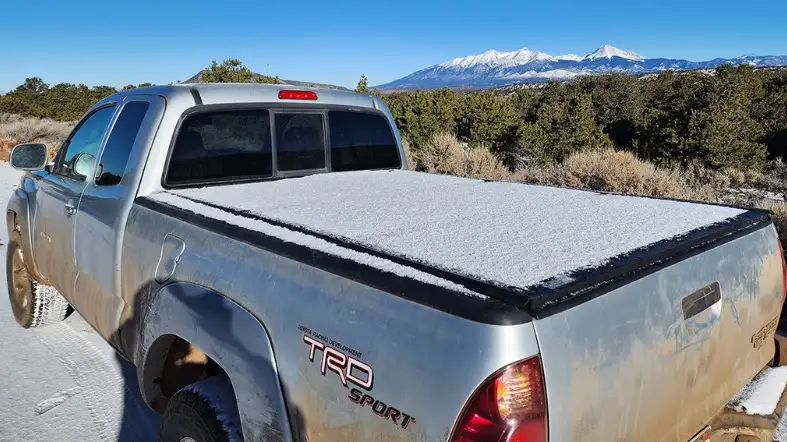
[507,234]
[220,93]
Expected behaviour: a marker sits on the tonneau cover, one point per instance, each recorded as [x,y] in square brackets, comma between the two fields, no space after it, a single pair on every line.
[510,235]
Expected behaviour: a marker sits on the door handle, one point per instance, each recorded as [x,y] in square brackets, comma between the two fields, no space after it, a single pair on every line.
[70,208]
[702,299]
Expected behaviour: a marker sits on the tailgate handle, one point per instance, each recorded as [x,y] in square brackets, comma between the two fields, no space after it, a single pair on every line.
[701,300]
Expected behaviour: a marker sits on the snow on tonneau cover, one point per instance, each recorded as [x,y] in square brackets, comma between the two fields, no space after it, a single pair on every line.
[506,233]
[635,362]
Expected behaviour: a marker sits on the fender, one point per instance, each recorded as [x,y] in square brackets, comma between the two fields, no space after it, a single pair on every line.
[19,206]
[234,339]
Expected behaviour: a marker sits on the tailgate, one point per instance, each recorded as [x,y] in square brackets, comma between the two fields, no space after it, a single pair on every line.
[654,357]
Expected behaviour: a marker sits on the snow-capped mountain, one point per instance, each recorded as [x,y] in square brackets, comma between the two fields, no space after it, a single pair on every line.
[513,58]
[494,68]
[608,51]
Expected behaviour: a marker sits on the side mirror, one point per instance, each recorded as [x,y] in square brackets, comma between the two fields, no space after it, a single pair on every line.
[30,157]
[84,165]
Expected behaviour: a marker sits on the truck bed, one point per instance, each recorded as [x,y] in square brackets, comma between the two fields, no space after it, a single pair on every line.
[524,244]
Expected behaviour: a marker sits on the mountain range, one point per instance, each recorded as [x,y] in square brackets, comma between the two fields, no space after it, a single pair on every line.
[493,68]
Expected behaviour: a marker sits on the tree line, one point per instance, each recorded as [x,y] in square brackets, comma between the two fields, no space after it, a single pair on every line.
[68,102]
[732,117]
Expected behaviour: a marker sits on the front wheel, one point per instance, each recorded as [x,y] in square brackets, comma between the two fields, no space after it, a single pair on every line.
[205,411]
[33,304]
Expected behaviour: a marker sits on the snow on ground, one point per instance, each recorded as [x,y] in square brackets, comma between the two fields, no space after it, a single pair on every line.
[762,394]
[63,382]
[781,430]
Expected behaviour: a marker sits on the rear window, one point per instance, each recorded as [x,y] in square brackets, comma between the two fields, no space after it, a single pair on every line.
[240,145]
[300,142]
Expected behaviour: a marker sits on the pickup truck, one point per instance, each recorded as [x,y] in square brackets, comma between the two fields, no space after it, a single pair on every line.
[264,257]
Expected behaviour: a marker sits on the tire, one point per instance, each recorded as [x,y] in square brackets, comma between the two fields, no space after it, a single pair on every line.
[205,411]
[32,303]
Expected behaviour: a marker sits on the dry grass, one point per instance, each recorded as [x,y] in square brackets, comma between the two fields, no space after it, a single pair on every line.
[445,154]
[611,171]
[779,218]
[605,170]
[15,129]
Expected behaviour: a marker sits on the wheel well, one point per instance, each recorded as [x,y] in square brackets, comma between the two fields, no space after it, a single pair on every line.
[172,364]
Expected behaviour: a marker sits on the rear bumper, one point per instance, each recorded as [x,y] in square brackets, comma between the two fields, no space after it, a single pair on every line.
[734,426]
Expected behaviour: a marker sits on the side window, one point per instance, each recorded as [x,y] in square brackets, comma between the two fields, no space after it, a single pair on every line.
[121,140]
[300,142]
[79,152]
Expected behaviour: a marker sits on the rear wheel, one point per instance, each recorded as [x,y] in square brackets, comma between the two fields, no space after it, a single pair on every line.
[33,304]
[205,411]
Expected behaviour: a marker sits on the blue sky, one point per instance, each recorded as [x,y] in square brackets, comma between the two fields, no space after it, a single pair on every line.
[162,41]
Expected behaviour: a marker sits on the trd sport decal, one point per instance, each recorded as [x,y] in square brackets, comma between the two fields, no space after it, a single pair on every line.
[351,370]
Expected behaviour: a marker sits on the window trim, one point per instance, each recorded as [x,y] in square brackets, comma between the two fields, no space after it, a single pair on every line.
[58,160]
[272,109]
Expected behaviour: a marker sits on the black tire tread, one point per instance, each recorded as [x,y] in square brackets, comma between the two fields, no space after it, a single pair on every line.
[47,304]
[209,409]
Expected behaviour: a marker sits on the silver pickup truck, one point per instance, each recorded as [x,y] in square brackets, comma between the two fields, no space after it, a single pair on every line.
[265,259]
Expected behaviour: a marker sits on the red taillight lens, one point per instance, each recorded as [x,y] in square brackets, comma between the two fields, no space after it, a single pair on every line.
[784,272]
[297,95]
[511,407]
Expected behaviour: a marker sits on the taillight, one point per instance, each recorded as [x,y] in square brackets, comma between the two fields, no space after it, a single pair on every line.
[784,272]
[510,407]
[297,95]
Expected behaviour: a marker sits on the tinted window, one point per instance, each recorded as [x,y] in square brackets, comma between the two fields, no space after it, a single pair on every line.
[222,146]
[87,139]
[121,140]
[361,141]
[300,142]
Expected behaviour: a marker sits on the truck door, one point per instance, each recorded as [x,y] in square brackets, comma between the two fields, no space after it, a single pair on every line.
[104,207]
[58,199]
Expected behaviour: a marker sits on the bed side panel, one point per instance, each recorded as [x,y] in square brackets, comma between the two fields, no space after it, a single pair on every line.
[655,359]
